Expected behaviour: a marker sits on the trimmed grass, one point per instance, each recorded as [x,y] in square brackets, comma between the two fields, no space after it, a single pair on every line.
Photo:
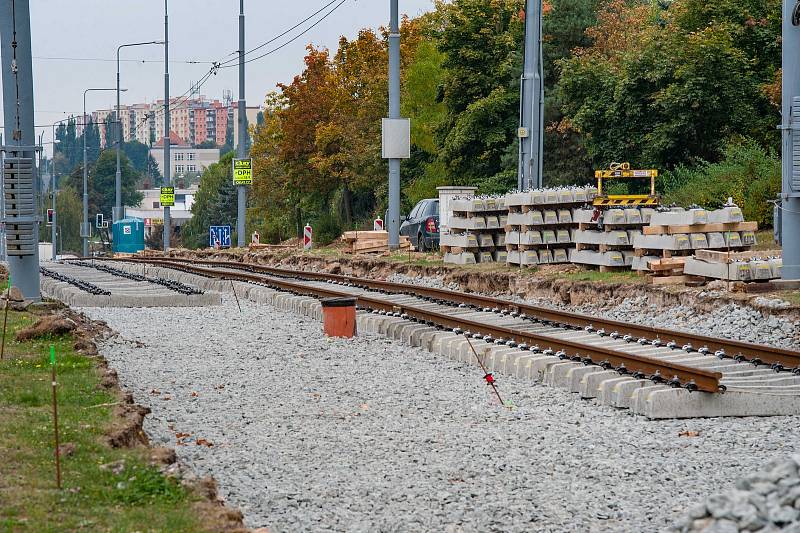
[134,497]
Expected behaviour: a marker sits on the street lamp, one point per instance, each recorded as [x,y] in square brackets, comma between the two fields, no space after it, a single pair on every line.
[53,192]
[85,225]
[116,214]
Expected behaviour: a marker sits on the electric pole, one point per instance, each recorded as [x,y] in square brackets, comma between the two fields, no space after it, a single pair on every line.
[531,105]
[53,191]
[19,169]
[393,224]
[241,150]
[790,133]
[167,178]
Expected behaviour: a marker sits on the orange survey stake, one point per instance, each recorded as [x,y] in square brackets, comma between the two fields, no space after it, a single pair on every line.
[339,317]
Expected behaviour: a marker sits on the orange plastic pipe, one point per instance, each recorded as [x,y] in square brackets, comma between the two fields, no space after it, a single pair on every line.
[339,317]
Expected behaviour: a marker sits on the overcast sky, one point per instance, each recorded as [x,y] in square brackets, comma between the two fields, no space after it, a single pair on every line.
[200,30]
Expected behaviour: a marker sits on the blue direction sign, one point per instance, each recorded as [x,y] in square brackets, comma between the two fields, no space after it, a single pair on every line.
[219,236]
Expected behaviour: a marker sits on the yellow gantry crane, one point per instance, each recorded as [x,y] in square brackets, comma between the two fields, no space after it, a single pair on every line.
[618,171]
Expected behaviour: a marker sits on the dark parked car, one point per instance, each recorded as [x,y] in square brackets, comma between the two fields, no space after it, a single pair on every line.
[421,226]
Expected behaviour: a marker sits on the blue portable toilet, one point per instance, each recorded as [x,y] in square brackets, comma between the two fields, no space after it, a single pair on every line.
[128,235]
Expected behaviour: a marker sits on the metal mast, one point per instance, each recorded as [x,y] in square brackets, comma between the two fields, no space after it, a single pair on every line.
[393,224]
[19,172]
[53,186]
[167,177]
[531,106]
[790,129]
[241,150]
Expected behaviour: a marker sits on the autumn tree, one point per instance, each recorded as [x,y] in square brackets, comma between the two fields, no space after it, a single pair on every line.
[668,84]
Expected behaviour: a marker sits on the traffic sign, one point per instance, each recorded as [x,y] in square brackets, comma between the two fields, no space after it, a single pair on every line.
[219,236]
[167,196]
[242,171]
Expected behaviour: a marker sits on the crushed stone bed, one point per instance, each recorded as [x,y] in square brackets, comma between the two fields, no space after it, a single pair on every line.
[317,434]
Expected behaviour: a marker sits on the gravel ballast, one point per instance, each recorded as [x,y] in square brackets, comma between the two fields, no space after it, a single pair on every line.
[317,434]
[768,500]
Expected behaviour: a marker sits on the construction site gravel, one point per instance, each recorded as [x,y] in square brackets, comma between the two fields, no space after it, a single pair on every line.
[307,433]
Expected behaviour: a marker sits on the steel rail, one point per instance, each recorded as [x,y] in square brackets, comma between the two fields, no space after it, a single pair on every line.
[778,358]
[674,374]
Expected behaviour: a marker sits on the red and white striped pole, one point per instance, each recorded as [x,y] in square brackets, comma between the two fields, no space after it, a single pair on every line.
[307,237]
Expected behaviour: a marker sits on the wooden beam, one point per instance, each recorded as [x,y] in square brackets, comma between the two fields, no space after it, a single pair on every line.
[700,228]
[716,256]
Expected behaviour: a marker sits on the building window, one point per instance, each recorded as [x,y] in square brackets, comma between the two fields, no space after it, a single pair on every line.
[179,169]
[190,156]
[191,168]
[178,156]
[155,205]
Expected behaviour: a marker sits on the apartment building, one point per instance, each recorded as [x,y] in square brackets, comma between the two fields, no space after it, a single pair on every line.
[193,121]
[252,118]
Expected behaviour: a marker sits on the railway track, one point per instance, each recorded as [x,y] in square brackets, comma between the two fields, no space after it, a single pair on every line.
[777,359]
[658,377]
[521,331]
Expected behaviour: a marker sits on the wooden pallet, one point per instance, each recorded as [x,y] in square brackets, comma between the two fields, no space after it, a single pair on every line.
[717,227]
[371,241]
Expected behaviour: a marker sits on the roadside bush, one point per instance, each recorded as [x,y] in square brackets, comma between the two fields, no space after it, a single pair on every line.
[327,228]
[747,172]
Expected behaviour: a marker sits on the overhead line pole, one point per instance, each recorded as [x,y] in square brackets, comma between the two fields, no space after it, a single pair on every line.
[53,192]
[18,111]
[167,178]
[241,152]
[393,224]
[531,105]
[790,132]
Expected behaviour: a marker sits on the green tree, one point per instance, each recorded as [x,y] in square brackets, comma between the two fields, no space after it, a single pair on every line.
[481,41]
[142,161]
[92,133]
[102,183]
[68,145]
[747,172]
[667,87]
[214,204]
[69,215]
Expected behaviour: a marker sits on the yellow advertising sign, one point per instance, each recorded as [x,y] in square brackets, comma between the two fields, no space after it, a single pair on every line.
[242,171]
[167,196]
